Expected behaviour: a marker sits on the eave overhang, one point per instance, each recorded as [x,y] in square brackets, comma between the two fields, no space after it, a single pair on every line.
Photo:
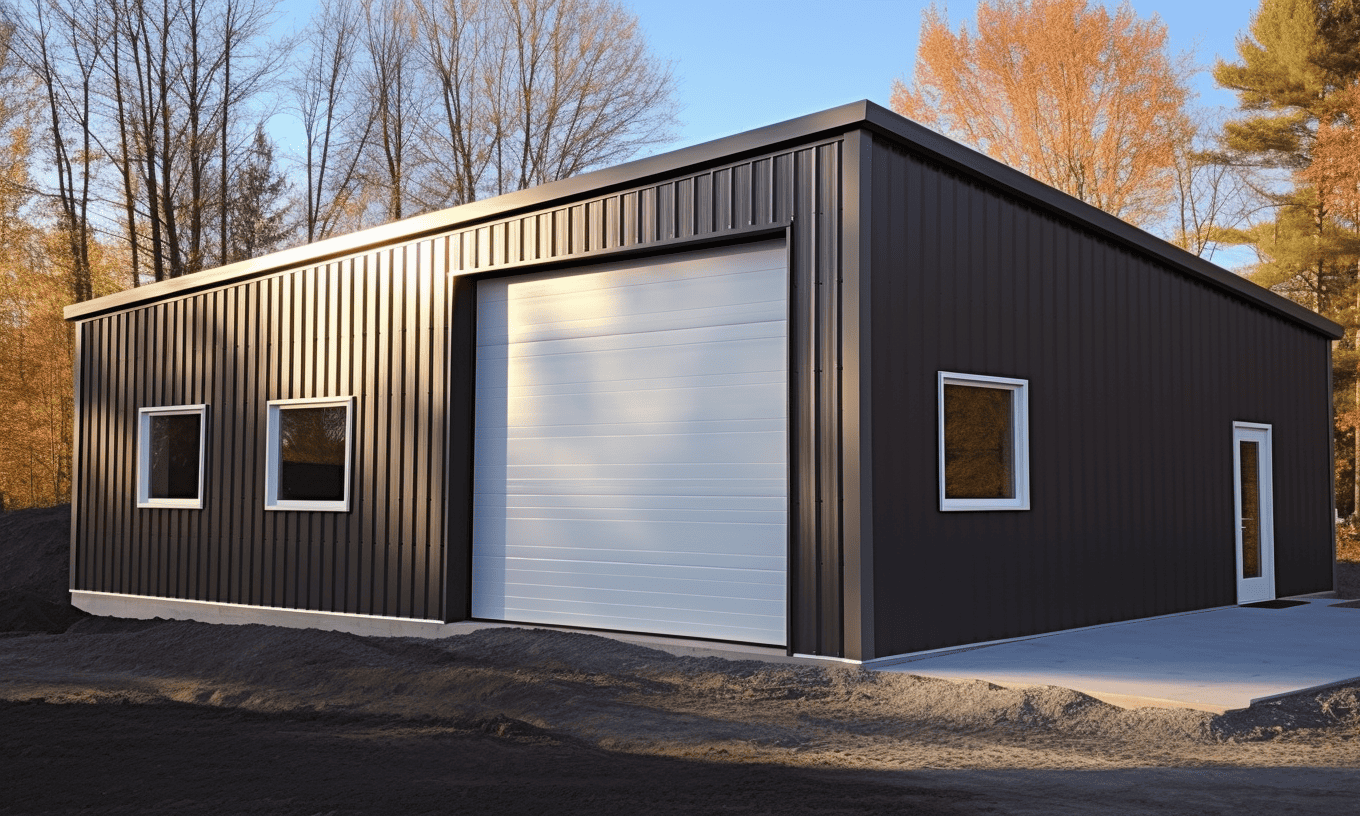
[862,115]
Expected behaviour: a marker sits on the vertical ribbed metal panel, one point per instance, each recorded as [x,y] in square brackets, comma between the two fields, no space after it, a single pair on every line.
[806,564]
[80,451]
[393,327]
[1136,373]
[370,326]
[813,181]
[828,260]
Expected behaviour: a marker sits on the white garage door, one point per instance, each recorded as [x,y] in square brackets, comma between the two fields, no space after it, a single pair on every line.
[631,446]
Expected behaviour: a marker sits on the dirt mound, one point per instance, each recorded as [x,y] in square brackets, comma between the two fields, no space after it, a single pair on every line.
[35,548]
[29,612]
[553,688]
[1348,579]
[628,697]
[34,570]
[554,650]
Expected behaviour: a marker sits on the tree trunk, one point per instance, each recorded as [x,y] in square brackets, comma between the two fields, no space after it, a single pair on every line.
[226,119]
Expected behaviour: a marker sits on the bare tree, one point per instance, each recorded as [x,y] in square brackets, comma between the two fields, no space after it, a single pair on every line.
[471,98]
[406,106]
[251,65]
[335,121]
[166,93]
[391,82]
[59,46]
[586,91]
[462,45]
[1213,196]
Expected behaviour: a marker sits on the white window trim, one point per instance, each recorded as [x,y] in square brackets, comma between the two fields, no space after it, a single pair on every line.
[144,498]
[1019,439]
[271,478]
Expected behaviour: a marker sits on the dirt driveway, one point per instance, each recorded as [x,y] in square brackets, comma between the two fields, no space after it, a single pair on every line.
[101,716]
[176,717]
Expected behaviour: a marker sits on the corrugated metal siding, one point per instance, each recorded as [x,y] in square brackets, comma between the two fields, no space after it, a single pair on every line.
[373,326]
[817,621]
[386,326]
[1136,373]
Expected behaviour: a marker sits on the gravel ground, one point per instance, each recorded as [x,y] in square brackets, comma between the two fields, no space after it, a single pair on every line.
[107,716]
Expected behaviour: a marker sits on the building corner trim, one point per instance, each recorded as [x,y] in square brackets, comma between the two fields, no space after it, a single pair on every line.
[857,539]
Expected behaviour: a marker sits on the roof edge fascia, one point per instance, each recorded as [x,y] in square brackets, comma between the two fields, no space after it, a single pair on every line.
[855,115]
[621,176]
[967,161]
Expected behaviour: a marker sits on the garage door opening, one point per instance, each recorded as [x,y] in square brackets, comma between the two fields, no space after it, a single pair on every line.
[631,447]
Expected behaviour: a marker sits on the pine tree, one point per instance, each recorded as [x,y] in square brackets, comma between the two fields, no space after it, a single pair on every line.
[1287,83]
[257,205]
[1297,67]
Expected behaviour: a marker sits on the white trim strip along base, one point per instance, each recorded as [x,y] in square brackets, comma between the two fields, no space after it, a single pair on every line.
[146,607]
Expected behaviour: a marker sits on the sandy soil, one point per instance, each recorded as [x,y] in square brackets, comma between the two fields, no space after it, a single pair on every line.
[175,717]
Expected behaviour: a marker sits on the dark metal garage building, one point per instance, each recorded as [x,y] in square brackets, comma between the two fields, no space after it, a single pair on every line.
[838,385]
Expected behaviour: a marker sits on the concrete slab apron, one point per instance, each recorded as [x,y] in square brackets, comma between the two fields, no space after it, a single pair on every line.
[1217,660]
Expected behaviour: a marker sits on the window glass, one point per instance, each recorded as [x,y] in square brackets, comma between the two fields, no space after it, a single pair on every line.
[312,453]
[978,444]
[174,441]
[1250,489]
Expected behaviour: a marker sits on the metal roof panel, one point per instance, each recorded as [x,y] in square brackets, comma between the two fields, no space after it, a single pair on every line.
[856,115]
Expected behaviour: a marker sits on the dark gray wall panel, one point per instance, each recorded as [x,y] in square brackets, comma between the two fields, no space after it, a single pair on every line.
[364,326]
[1136,374]
[393,327]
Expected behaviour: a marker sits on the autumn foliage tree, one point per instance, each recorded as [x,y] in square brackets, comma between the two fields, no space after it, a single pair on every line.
[1081,97]
[134,147]
[1295,77]
[39,274]
[149,107]
[35,420]
[1334,171]
[1293,68]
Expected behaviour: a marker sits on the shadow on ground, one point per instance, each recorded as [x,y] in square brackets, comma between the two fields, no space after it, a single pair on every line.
[187,759]
[106,716]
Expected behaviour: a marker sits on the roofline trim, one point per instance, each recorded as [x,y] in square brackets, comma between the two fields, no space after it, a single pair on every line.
[970,162]
[853,116]
[621,176]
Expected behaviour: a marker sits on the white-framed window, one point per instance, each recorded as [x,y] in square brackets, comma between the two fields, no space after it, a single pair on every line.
[171,441]
[307,464]
[984,442]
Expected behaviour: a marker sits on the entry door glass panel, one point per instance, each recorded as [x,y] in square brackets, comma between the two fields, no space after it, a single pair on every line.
[1254,537]
[1249,487]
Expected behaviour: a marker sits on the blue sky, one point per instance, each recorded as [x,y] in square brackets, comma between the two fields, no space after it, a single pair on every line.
[743,64]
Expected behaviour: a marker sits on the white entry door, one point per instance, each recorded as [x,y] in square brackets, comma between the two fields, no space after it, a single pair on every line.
[631,448]
[1252,499]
